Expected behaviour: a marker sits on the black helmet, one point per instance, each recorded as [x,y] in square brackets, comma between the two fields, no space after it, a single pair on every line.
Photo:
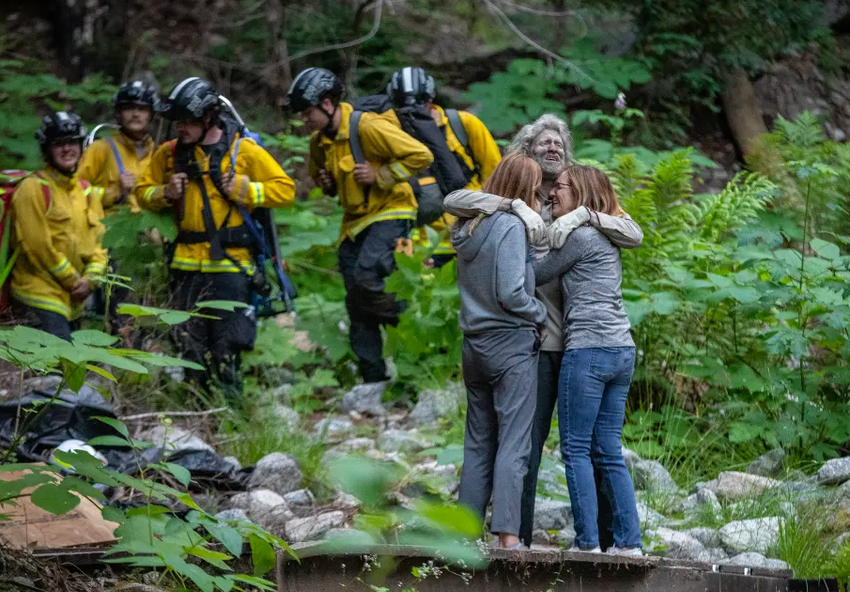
[137,93]
[190,99]
[310,87]
[58,126]
[410,86]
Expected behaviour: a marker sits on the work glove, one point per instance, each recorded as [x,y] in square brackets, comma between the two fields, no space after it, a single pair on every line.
[535,228]
[563,226]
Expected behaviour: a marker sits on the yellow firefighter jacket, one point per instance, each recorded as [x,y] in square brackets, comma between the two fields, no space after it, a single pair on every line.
[260,182]
[99,167]
[60,233]
[395,155]
[485,156]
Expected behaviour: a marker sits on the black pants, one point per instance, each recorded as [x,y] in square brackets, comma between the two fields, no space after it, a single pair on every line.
[45,320]
[364,263]
[441,260]
[218,343]
[548,371]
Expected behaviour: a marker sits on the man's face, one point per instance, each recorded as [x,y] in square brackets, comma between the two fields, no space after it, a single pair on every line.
[547,150]
[316,119]
[190,131]
[562,196]
[65,154]
[134,118]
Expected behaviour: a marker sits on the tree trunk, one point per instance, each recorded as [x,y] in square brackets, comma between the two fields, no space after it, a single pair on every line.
[280,76]
[748,129]
[349,55]
[76,25]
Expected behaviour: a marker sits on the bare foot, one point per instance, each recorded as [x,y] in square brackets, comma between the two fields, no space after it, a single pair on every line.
[508,541]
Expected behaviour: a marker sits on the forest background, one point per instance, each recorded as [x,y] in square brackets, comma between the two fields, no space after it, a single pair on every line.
[730,152]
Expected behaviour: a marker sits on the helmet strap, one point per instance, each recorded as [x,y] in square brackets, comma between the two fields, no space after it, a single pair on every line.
[328,130]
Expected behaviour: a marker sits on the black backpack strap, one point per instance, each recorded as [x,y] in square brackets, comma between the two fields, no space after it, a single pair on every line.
[459,130]
[356,147]
[354,137]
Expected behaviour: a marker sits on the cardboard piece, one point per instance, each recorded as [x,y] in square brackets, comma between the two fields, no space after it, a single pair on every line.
[29,526]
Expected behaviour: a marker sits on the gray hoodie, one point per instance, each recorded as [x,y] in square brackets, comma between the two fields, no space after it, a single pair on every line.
[495,277]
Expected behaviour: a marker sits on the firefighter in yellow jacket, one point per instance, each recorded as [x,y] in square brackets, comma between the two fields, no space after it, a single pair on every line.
[194,175]
[375,195]
[56,220]
[472,143]
[114,164]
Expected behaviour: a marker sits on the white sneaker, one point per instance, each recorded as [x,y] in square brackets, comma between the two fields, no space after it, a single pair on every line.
[575,549]
[632,552]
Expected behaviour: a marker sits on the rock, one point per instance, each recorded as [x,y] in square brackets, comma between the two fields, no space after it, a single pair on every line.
[842,539]
[288,416]
[334,428]
[707,536]
[733,486]
[356,445]
[301,497]
[652,476]
[648,517]
[135,587]
[834,471]
[541,537]
[552,514]
[696,501]
[433,405]
[265,507]
[566,537]
[680,545]
[769,464]
[716,555]
[757,535]
[278,472]
[300,530]
[174,438]
[365,398]
[444,477]
[233,462]
[232,514]
[401,441]
[757,560]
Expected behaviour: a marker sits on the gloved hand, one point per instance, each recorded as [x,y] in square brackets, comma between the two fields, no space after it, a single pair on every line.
[534,225]
[563,226]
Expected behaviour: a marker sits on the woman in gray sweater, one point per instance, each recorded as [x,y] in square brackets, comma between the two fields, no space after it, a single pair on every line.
[598,364]
[501,323]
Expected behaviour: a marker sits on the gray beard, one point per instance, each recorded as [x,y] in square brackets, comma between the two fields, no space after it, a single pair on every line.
[550,169]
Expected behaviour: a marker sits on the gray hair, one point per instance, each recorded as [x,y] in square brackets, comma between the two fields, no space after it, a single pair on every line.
[525,137]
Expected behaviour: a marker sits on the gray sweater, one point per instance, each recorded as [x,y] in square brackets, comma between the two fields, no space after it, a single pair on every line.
[495,277]
[591,273]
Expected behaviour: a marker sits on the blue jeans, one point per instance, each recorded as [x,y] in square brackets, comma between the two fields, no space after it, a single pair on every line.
[592,391]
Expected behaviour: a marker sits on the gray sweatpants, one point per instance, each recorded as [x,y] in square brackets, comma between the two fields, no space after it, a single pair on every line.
[500,373]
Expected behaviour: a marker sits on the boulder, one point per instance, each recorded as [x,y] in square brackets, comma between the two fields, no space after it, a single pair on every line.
[356,445]
[444,478]
[756,535]
[265,507]
[289,416]
[715,555]
[566,537]
[433,405]
[834,471]
[541,537]
[334,428]
[680,545]
[278,472]
[233,462]
[402,441]
[695,502]
[232,514]
[174,438]
[733,486]
[300,497]
[648,517]
[707,536]
[365,398]
[552,514]
[756,560]
[300,530]
[768,464]
[651,475]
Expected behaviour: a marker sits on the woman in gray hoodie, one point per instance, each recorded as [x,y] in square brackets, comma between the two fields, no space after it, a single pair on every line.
[501,322]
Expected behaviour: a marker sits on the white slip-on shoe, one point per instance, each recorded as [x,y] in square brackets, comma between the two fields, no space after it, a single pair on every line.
[631,552]
[575,549]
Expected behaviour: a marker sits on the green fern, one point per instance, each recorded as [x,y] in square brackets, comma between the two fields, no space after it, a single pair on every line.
[805,132]
[739,202]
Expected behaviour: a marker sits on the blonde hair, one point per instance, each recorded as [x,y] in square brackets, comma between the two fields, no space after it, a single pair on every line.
[592,188]
[516,177]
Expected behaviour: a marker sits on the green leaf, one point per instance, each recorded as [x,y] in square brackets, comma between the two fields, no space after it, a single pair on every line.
[450,518]
[82,487]
[744,432]
[112,514]
[115,424]
[214,558]
[115,441]
[227,536]
[262,555]
[55,499]
[182,474]
[94,338]
[228,305]
[74,374]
